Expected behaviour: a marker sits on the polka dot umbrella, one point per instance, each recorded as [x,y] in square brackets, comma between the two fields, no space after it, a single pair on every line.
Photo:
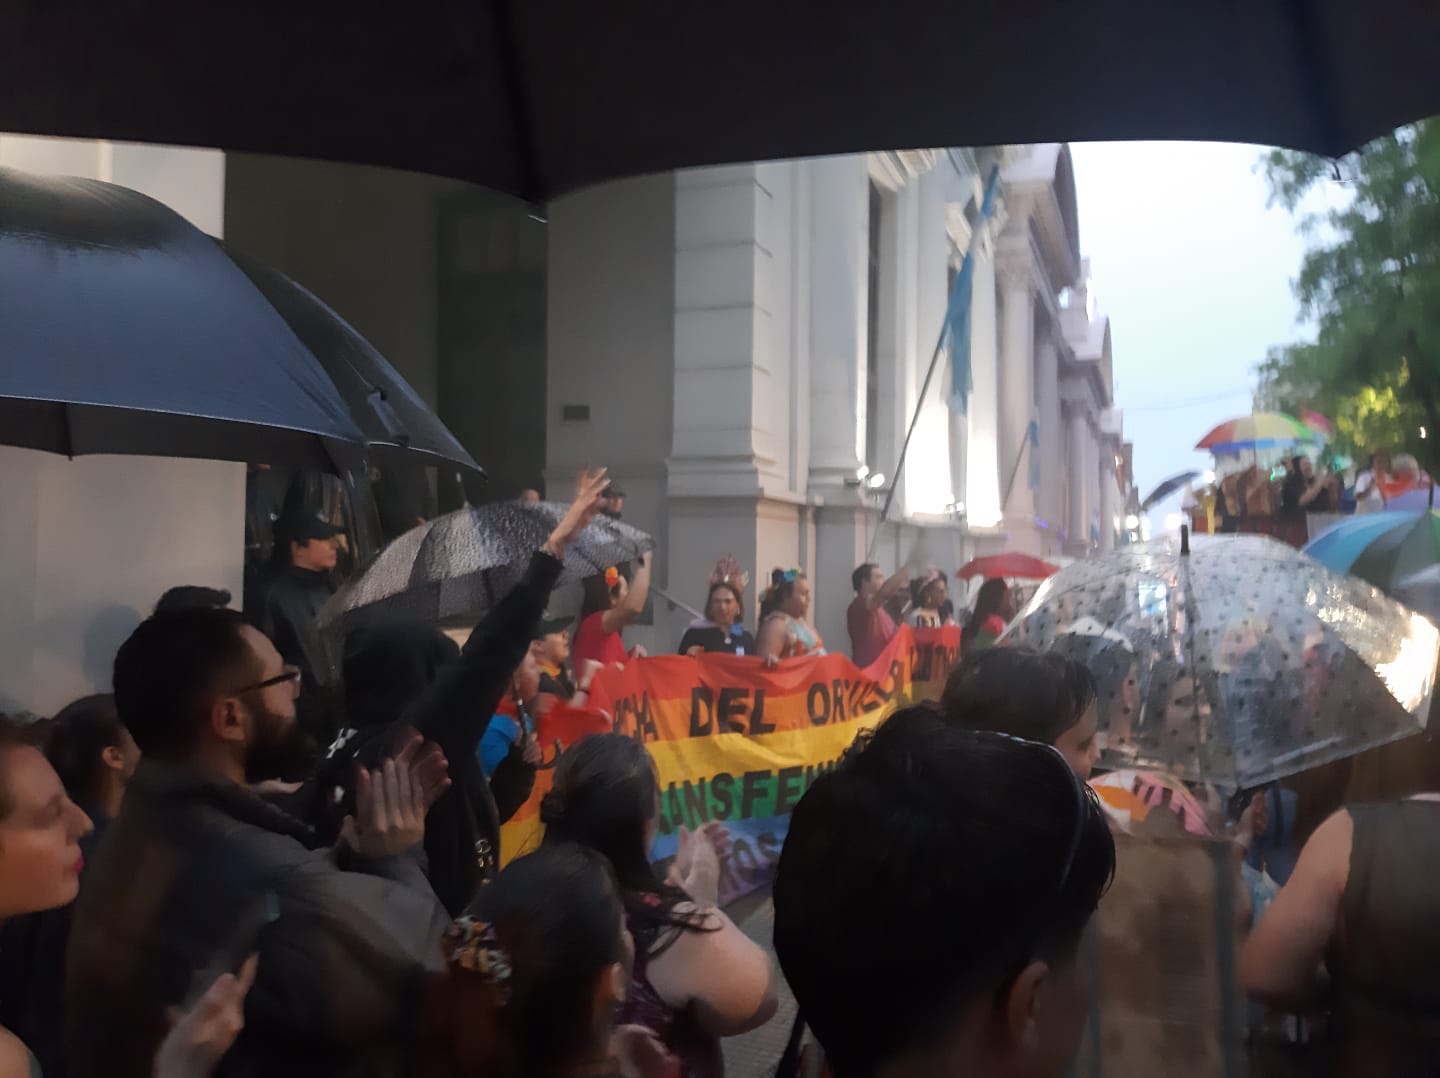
[1235,660]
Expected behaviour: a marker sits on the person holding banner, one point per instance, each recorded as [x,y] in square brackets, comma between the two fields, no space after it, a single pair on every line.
[697,977]
[785,629]
[722,630]
[611,602]
[928,603]
[870,624]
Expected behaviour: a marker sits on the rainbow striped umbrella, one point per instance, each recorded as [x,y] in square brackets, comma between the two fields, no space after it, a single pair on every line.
[1259,430]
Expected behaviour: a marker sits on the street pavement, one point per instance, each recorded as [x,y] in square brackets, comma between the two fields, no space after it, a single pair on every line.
[755,1054]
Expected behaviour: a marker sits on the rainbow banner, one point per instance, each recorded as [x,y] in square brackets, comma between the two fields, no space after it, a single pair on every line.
[739,742]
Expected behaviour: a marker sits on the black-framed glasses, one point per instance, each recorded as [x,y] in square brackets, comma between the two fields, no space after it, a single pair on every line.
[291,675]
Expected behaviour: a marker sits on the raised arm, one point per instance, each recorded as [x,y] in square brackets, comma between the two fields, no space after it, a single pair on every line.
[894,583]
[1281,962]
[612,621]
[456,709]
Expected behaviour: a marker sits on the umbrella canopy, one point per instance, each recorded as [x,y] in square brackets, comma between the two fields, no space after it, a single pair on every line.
[127,330]
[542,97]
[1007,566]
[1167,488]
[461,564]
[1260,430]
[1247,662]
[395,421]
[1383,548]
[1422,592]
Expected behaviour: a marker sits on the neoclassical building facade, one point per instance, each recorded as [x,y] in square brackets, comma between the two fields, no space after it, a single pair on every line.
[745,348]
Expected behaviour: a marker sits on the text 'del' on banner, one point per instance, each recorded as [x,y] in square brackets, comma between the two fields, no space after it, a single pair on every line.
[736,741]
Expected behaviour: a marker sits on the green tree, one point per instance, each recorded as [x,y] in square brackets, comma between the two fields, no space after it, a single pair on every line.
[1370,282]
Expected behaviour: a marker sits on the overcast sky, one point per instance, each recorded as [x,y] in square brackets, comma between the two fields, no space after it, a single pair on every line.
[1195,273]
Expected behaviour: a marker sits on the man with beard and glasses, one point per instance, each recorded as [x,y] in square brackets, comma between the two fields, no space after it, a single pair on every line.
[197,872]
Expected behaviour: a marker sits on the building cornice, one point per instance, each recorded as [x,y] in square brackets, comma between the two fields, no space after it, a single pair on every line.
[893,169]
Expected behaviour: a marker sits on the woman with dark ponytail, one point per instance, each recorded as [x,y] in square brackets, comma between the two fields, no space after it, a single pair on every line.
[535,978]
[697,977]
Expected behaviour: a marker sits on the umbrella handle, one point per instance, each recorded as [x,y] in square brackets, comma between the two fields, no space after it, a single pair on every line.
[1184,540]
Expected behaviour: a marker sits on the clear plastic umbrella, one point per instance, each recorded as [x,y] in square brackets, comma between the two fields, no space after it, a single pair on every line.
[1242,660]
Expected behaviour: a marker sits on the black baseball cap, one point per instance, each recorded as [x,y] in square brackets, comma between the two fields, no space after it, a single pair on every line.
[304,529]
[550,625]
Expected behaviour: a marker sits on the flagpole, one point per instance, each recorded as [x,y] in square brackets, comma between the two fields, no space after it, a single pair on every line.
[905,445]
[930,372]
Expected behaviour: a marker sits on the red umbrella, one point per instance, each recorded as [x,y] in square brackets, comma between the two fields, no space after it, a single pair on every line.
[1017,566]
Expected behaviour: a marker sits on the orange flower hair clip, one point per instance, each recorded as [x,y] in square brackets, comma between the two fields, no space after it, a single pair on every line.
[612,577]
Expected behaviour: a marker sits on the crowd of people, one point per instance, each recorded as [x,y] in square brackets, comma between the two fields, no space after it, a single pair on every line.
[190,884]
[1280,499]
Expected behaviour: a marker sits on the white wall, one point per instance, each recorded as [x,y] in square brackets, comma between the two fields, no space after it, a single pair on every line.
[87,546]
[611,344]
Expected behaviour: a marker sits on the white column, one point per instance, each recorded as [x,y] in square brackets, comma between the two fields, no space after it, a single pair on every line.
[1017,390]
[1078,525]
[1109,498]
[1092,480]
[1052,435]
[982,440]
[929,486]
[838,310]
[719,326]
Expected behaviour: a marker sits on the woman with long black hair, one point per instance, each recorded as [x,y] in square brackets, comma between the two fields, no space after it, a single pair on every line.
[697,977]
[993,611]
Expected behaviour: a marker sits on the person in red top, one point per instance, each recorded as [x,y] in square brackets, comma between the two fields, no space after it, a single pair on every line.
[871,626]
[611,603]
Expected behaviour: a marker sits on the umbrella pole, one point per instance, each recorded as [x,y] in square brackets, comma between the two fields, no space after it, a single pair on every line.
[1190,657]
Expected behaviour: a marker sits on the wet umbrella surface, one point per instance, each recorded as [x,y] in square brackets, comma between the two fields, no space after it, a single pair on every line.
[461,564]
[543,97]
[1238,663]
[128,330]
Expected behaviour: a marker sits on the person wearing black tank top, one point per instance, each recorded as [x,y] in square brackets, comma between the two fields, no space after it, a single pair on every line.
[1355,931]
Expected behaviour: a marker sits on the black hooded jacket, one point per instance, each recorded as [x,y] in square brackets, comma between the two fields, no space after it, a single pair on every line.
[293,596]
[405,676]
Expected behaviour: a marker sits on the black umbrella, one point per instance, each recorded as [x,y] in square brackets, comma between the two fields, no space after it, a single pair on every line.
[460,564]
[396,423]
[540,97]
[128,330]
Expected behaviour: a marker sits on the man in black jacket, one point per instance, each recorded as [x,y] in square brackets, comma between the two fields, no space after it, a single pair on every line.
[298,587]
[401,677]
[197,872]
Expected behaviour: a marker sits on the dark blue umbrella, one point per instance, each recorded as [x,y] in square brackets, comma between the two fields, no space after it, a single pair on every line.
[128,330]
[397,425]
